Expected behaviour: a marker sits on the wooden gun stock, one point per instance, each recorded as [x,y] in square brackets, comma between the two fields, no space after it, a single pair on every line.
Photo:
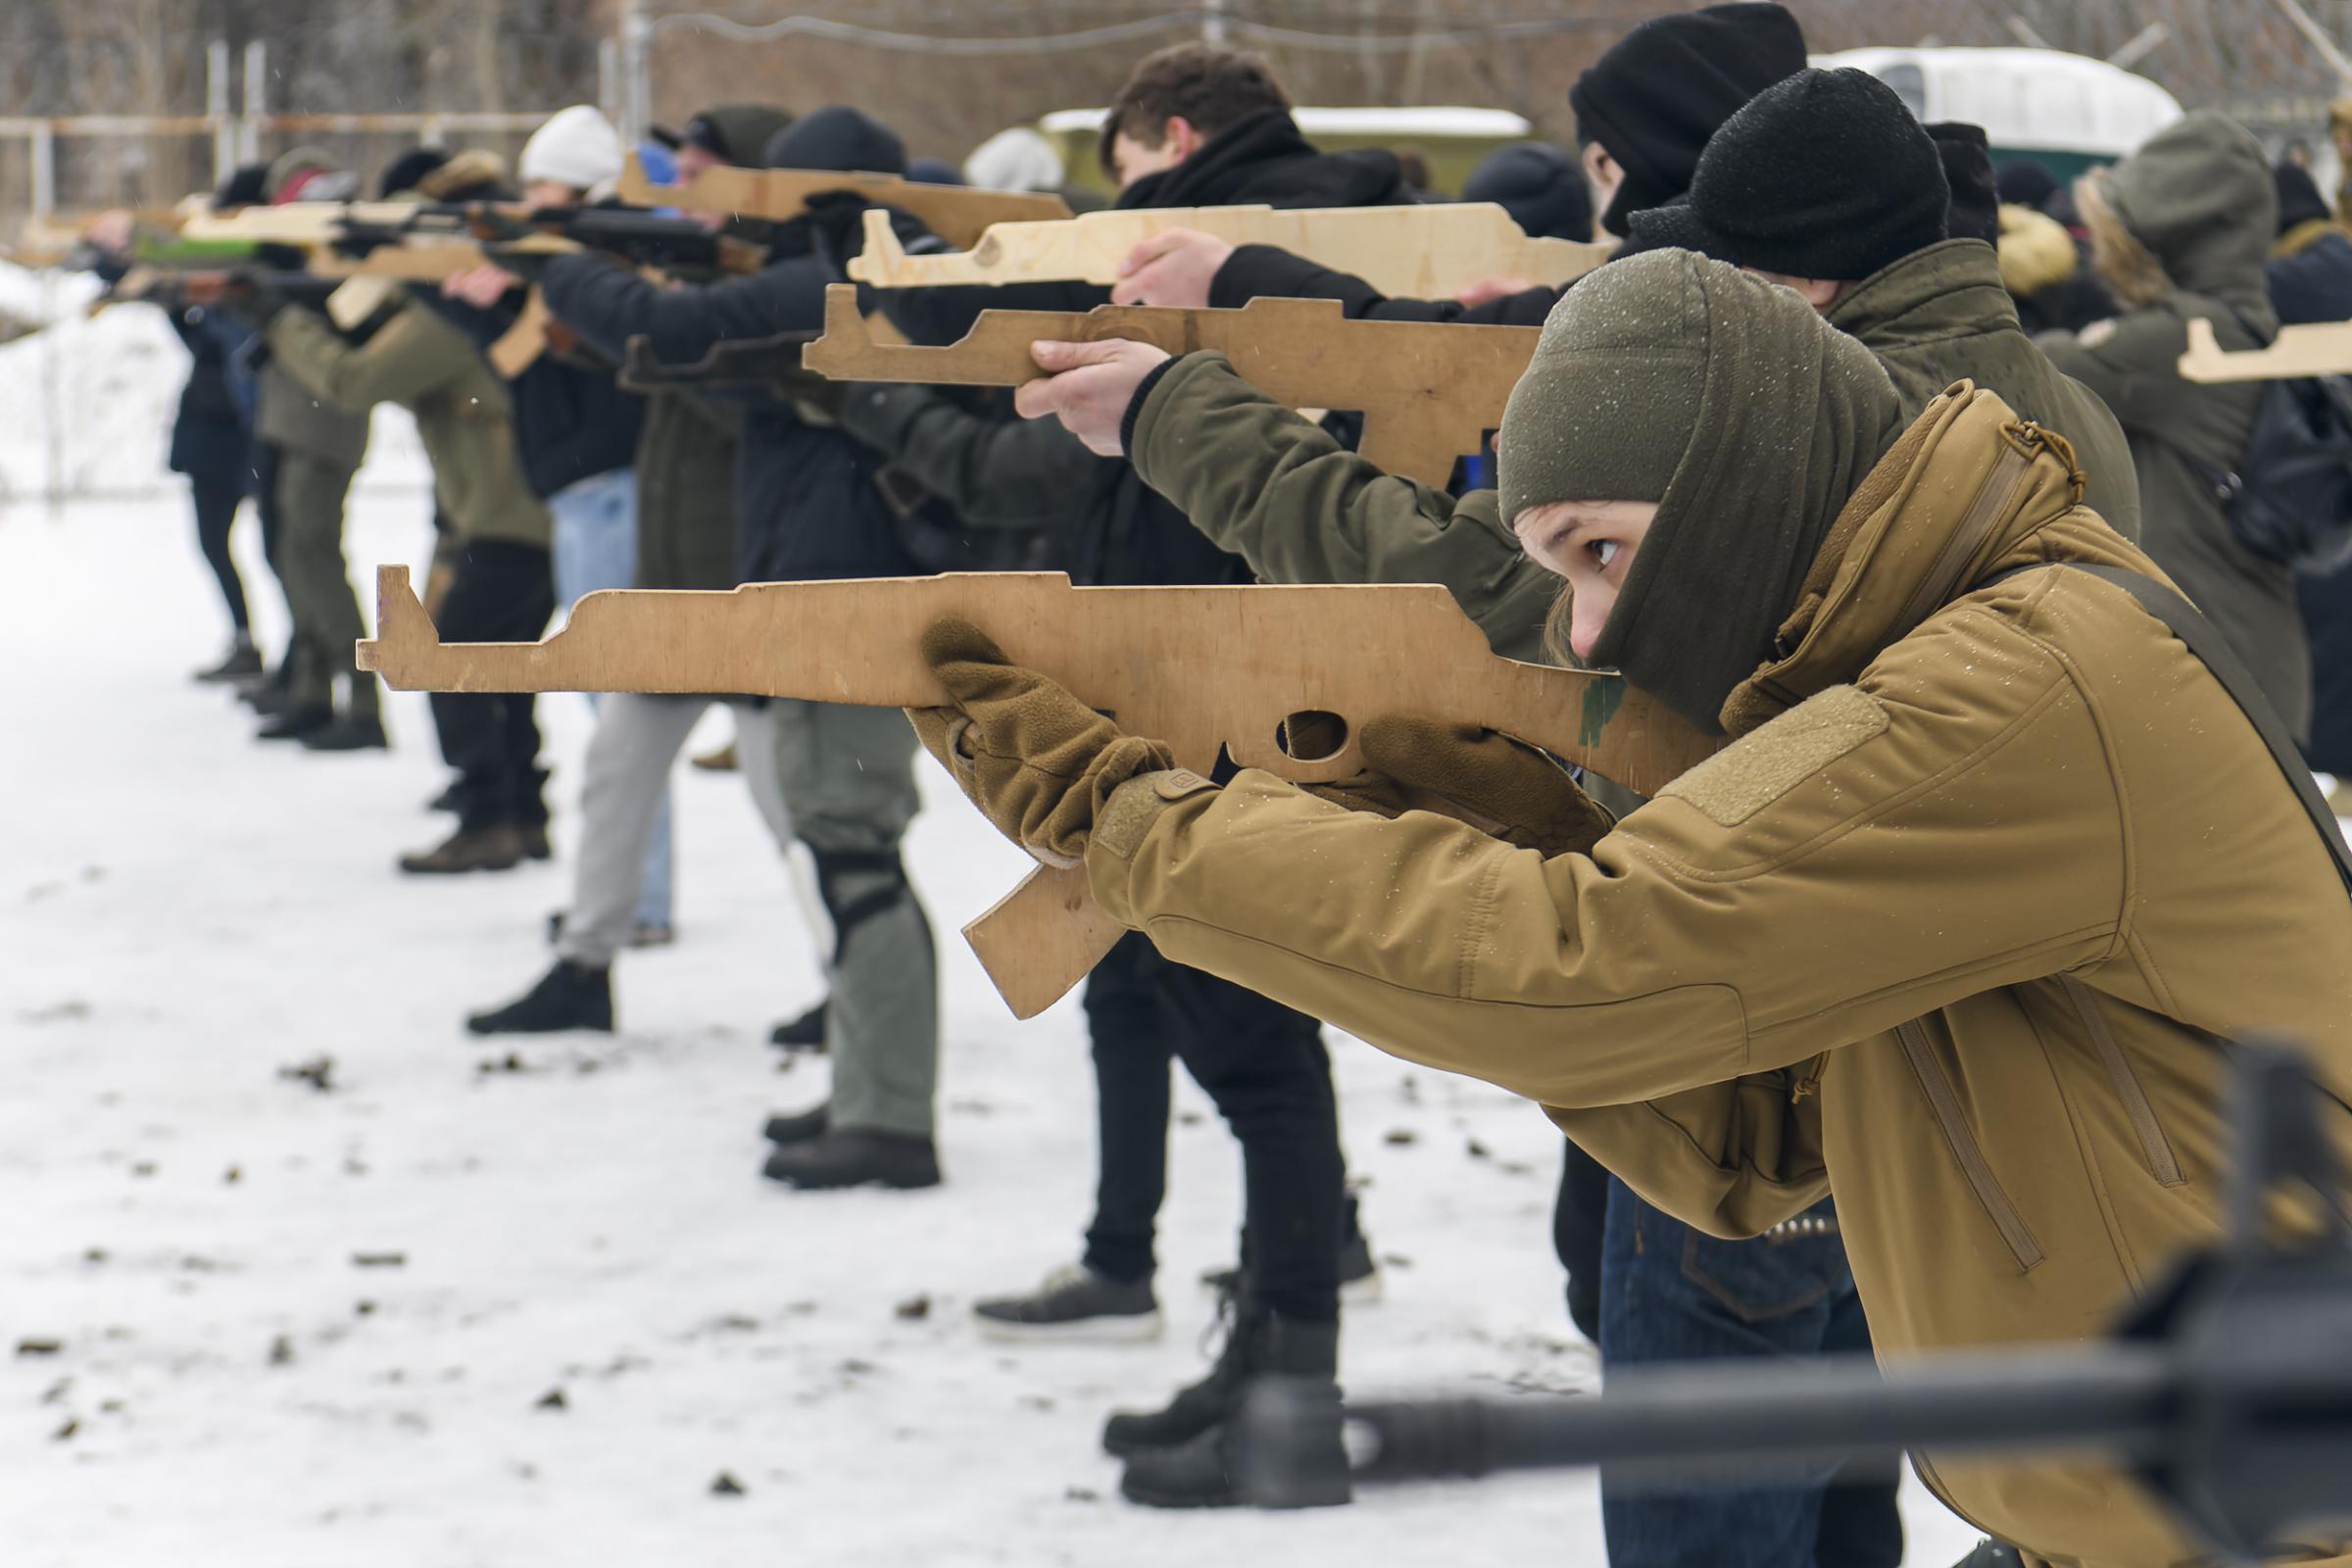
[1199,668]
[1429,391]
[957,213]
[2323,348]
[1422,253]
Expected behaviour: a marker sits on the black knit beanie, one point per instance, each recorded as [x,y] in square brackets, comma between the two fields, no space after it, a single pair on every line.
[1975,212]
[404,171]
[1542,187]
[1824,175]
[2024,183]
[1661,90]
[840,140]
[735,133]
[2299,200]
[247,185]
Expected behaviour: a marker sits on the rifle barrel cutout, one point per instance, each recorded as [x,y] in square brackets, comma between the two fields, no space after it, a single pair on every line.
[957,213]
[2323,348]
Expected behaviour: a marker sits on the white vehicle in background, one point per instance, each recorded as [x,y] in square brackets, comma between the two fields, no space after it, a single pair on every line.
[2065,112]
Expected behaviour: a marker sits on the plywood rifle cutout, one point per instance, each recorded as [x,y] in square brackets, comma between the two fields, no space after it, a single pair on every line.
[957,213]
[1429,391]
[1418,253]
[2323,348]
[1199,668]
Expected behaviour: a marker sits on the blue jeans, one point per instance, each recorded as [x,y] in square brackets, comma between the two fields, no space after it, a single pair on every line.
[596,548]
[1671,1294]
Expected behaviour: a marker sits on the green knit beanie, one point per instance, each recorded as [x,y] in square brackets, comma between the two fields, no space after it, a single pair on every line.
[1610,400]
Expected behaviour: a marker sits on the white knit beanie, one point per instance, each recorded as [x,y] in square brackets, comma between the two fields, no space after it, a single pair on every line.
[576,147]
[1019,159]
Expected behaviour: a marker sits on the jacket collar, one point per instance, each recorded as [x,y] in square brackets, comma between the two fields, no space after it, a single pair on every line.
[1969,489]
[1948,290]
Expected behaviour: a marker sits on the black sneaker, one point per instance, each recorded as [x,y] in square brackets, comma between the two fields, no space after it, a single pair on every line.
[571,996]
[1359,1275]
[855,1158]
[1074,1302]
[805,1033]
[347,733]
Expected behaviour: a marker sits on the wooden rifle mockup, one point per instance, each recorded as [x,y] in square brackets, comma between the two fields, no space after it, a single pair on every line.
[1429,391]
[1204,669]
[957,213]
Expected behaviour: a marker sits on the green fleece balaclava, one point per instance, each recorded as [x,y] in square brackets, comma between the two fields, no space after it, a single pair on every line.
[1730,403]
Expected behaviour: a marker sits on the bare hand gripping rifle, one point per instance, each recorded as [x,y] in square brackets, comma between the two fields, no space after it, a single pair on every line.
[1199,668]
[1429,391]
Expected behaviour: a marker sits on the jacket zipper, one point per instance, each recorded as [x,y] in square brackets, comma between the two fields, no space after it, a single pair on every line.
[2162,1164]
[1946,1104]
[1994,500]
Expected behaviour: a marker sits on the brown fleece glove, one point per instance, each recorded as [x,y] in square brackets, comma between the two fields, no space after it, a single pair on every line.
[1497,785]
[1037,761]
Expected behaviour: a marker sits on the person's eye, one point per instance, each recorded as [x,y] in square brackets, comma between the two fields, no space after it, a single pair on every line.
[1603,551]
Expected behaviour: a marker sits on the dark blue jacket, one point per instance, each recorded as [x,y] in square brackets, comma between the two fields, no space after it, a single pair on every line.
[807,502]
[212,428]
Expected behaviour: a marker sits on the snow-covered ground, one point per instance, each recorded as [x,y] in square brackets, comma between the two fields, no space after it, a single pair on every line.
[245,1320]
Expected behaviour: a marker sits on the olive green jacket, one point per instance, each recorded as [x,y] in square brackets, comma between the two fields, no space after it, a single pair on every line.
[1940,315]
[2188,237]
[463,414]
[686,493]
[290,417]
[1949,930]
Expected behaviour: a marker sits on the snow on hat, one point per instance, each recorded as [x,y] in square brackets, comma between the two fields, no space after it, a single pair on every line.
[1018,158]
[576,147]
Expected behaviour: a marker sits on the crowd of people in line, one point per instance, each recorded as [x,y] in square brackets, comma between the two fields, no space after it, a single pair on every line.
[1892,1023]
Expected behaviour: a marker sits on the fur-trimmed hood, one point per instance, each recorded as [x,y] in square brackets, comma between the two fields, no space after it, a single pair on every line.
[2037,251]
[2194,210]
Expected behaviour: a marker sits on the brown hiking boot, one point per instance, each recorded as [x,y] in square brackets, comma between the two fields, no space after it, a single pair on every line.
[498,847]
[721,761]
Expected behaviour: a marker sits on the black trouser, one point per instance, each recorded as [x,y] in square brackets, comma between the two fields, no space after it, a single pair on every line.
[1579,1220]
[216,512]
[1265,1068]
[503,593]
[263,459]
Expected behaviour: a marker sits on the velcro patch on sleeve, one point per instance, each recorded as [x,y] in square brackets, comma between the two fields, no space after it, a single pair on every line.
[1136,805]
[1744,778]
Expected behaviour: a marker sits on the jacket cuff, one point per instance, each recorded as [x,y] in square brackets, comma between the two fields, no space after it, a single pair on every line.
[1127,818]
[1251,270]
[1135,404]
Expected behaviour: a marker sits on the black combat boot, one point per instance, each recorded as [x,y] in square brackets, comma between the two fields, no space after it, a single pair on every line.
[1202,1473]
[571,996]
[349,732]
[293,723]
[1197,1406]
[243,661]
[798,1127]
[859,1157]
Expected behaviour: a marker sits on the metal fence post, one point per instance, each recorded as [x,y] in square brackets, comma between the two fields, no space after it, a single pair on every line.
[257,99]
[41,146]
[216,109]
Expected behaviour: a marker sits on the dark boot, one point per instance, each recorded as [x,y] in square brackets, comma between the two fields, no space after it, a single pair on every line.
[1992,1554]
[1203,1472]
[348,733]
[804,1127]
[242,662]
[451,799]
[858,1158]
[498,847]
[1197,1406]
[805,1033]
[293,723]
[571,996]
[534,839]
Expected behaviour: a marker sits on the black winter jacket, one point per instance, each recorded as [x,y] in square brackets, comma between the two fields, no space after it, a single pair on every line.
[572,420]
[807,503]
[211,433]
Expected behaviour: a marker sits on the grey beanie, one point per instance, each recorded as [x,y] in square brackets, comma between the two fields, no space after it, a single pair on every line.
[1611,395]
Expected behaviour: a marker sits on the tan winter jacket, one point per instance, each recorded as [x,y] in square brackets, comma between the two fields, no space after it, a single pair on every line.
[1951,928]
